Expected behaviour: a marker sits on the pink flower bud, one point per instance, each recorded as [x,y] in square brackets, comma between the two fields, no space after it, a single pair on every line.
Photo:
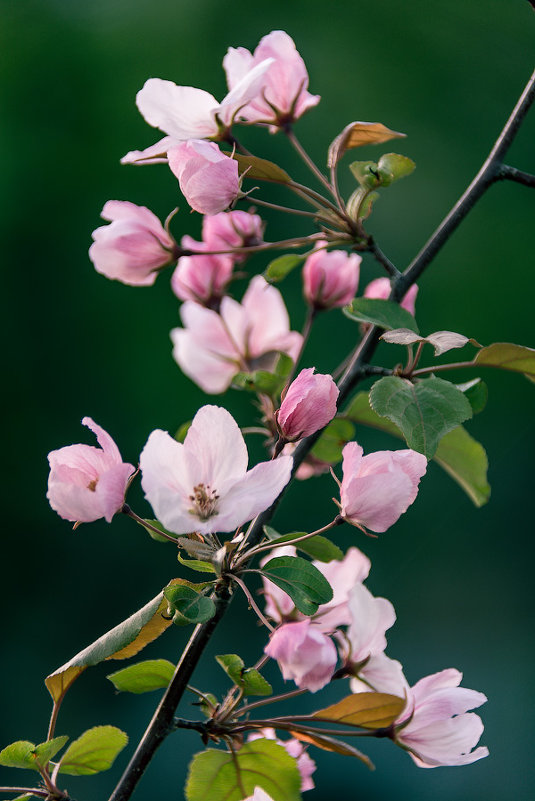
[202,278]
[232,229]
[331,278]
[87,483]
[134,247]
[284,96]
[376,489]
[309,405]
[208,179]
[380,289]
[304,654]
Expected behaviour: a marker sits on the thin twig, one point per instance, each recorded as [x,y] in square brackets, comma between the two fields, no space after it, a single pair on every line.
[252,603]
[311,164]
[512,174]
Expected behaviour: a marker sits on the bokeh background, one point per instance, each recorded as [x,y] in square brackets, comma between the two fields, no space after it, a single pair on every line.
[447,73]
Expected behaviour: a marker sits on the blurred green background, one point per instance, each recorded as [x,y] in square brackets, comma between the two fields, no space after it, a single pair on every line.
[447,73]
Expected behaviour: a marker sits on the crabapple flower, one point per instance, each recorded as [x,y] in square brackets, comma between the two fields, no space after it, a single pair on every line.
[297,750]
[184,112]
[203,484]
[228,230]
[440,730]
[380,289]
[376,489]
[331,278]
[85,482]
[208,179]
[304,653]
[381,674]
[134,247]
[201,278]
[309,404]
[284,96]
[213,347]
[370,618]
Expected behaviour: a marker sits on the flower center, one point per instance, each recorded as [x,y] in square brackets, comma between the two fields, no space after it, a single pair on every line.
[204,502]
[92,485]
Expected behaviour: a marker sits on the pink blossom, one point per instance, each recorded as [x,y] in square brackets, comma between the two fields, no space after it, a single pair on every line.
[297,750]
[208,179]
[85,482]
[228,230]
[440,730]
[380,288]
[376,489]
[203,484]
[184,112]
[381,674]
[331,278]
[134,247]
[258,795]
[304,654]
[213,347]
[309,404]
[343,575]
[201,278]
[370,618]
[284,96]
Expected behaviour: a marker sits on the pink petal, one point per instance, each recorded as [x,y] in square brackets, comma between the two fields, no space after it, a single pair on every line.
[154,154]
[211,371]
[371,617]
[217,442]
[255,492]
[182,112]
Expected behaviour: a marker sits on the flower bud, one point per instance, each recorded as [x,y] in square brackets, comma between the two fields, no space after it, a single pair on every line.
[232,229]
[309,404]
[380,289]
[304,654]
[208,179]
[331,278]
[202,278]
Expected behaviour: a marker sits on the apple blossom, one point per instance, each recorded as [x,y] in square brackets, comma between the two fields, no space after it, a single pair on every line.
[232,229]
[85,482]
[297,750]
[284,96]
[309,404]
[213,347]
[184,112]
[331,278]
[370,618]
[380,674]
[304,653]
[208,179]
[201,278]
[203,484]
[376,489]
[134,247]
[380,288]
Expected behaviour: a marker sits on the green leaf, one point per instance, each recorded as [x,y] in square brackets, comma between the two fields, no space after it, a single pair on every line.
[327,743]
[261,169]
[222,776]
[382,313]
[391,167]
[180,434]
[303,582]
[93,752]
[508,356]
[152,674]
[477,393]
[461,456]
[157,524]
[45,751]
[188,602]
[197,564]
[424,411]
[259,381]
[249,680]
[282,266]
[121,642]
[25,797]
[318,547]
[366,173]
[329,446]
[366,710]
[18,755]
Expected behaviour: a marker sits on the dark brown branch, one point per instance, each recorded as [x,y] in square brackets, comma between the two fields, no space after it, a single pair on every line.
[512,174]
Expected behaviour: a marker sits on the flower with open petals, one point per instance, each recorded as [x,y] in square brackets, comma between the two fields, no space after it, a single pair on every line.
[203,484]
[309,404]
[202,278]
[85,482]
[284,96]
[376,489]
[370,618]
[208,179]
[304,653]
[213,347]
[134,247]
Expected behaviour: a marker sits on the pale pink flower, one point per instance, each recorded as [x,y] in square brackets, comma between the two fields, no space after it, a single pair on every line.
[304,654]
[284,96]
[201,278]
[331,278]
[343,575]
[203,484]
[297,750]
[213,347]
[376,489]
[184,112]
[381,674]
[85,482]
[258,795]
[309,404]
[227,230]
[370,618]
[440,730]
[380,289]
[134,247]
[208,179]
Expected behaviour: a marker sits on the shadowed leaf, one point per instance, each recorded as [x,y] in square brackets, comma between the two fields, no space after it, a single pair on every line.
[327,743]
[366,710]
[306,586]
[261,169]
[357,134]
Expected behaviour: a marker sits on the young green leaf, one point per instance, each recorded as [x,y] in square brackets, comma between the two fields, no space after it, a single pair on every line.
[152,674]
[282,266]
[158,525]
[222,776]
[477,393]
[19,755]
[424,411]
[303,582]
[94,751]
[508,356]
[197,564]
[44,752]
[391,167]
[383,313]
[261,169]
[249,680]
[188,603]
[366,710]
[366,173]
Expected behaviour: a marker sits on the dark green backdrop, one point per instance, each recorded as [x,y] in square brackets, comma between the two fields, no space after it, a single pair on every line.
[447,72]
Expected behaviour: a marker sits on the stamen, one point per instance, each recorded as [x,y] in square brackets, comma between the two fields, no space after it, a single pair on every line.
[204,502]
[92,485]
